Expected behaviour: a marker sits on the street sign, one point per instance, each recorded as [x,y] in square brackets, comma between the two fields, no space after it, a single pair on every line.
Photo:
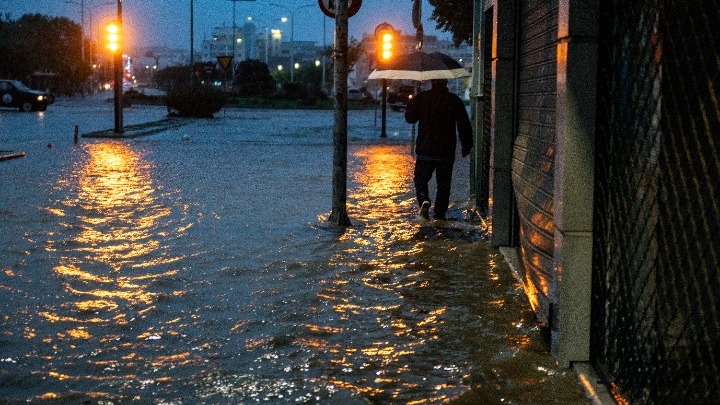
[328,7]
[224,61]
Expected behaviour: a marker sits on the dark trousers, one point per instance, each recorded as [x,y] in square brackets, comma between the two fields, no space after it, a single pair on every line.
[424,170]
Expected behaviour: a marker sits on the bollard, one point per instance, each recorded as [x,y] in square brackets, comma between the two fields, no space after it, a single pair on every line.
[75,138]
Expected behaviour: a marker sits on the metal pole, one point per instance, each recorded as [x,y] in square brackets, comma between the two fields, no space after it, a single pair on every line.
[118,76]
[192,43]
[383,125]
[234,42]
[267,43]
[292,46]
[339,215]
[323,88]
[82,30]
[477,104]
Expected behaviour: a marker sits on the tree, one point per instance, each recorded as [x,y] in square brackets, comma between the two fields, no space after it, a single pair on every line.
[36,42]
[455,16]
[355,52]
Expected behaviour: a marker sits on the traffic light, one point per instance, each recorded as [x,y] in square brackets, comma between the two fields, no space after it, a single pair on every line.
[385,37]
[112,37]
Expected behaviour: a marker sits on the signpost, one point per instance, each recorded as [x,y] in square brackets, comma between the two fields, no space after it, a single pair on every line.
[328,7]
[339,215]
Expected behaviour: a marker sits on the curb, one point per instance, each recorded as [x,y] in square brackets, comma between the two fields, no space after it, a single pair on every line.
[594,388]
[135,131]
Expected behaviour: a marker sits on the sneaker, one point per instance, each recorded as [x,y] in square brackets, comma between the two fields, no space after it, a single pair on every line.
[425,210]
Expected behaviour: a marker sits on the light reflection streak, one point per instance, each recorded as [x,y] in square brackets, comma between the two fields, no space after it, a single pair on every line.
[378,254]
[111,247]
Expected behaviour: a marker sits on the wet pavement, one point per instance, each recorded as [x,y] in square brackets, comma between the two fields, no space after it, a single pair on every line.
[195,265]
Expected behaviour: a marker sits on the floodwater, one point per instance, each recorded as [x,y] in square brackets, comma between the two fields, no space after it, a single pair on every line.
[195,266]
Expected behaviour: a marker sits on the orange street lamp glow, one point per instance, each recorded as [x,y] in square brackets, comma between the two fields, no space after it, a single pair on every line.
[385,36]
[112,37]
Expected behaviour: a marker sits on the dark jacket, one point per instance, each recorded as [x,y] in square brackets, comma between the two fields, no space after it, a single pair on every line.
[440,113]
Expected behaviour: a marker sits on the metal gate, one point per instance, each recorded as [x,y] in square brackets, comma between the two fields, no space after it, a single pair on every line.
[534,147]
[656,281]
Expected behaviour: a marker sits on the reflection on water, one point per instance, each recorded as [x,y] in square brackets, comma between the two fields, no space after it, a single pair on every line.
[131,297]
[113,226]
[112,242]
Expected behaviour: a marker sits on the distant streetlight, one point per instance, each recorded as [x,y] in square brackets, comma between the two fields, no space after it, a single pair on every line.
[292,32]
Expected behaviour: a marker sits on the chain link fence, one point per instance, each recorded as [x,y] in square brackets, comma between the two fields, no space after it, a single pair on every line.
[656,283]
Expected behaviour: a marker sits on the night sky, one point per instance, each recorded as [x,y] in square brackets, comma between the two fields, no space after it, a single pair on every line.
[167,22]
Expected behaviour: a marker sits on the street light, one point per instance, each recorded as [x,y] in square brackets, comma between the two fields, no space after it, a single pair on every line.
[292,33]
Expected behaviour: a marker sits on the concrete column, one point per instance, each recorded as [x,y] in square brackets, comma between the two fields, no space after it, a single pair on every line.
[574,179]
[503,119]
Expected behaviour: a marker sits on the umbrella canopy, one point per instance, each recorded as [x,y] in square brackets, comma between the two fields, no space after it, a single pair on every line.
[421,66]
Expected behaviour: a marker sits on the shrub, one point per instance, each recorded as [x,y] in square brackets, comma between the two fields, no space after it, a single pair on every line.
[196,101]
[253,79]
[294,90]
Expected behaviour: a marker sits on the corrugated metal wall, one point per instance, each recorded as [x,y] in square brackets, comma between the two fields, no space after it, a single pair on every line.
[534,150]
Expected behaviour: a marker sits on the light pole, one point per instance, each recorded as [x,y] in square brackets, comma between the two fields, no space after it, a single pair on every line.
[292,34]
[192,43]
[268,28]
[81,3]
[323,87]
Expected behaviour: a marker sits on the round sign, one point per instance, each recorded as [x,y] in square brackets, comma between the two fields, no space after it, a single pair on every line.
[328,7]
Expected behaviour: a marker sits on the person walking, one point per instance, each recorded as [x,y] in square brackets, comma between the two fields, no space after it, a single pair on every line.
[440,114]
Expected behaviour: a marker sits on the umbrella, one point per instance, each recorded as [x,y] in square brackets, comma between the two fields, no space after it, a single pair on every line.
[421,66]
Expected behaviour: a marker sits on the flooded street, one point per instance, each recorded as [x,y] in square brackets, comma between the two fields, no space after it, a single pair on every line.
[195,266]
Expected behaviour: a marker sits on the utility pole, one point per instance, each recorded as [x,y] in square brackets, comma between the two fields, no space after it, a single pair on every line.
[339,215]
[323,87]
[118,74]
[192,43]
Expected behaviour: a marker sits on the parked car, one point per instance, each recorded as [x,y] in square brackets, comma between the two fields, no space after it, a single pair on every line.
[399,98]
[14,94]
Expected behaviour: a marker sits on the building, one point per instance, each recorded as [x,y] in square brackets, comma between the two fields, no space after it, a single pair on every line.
[596,160]
[265,44]
[229,41]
